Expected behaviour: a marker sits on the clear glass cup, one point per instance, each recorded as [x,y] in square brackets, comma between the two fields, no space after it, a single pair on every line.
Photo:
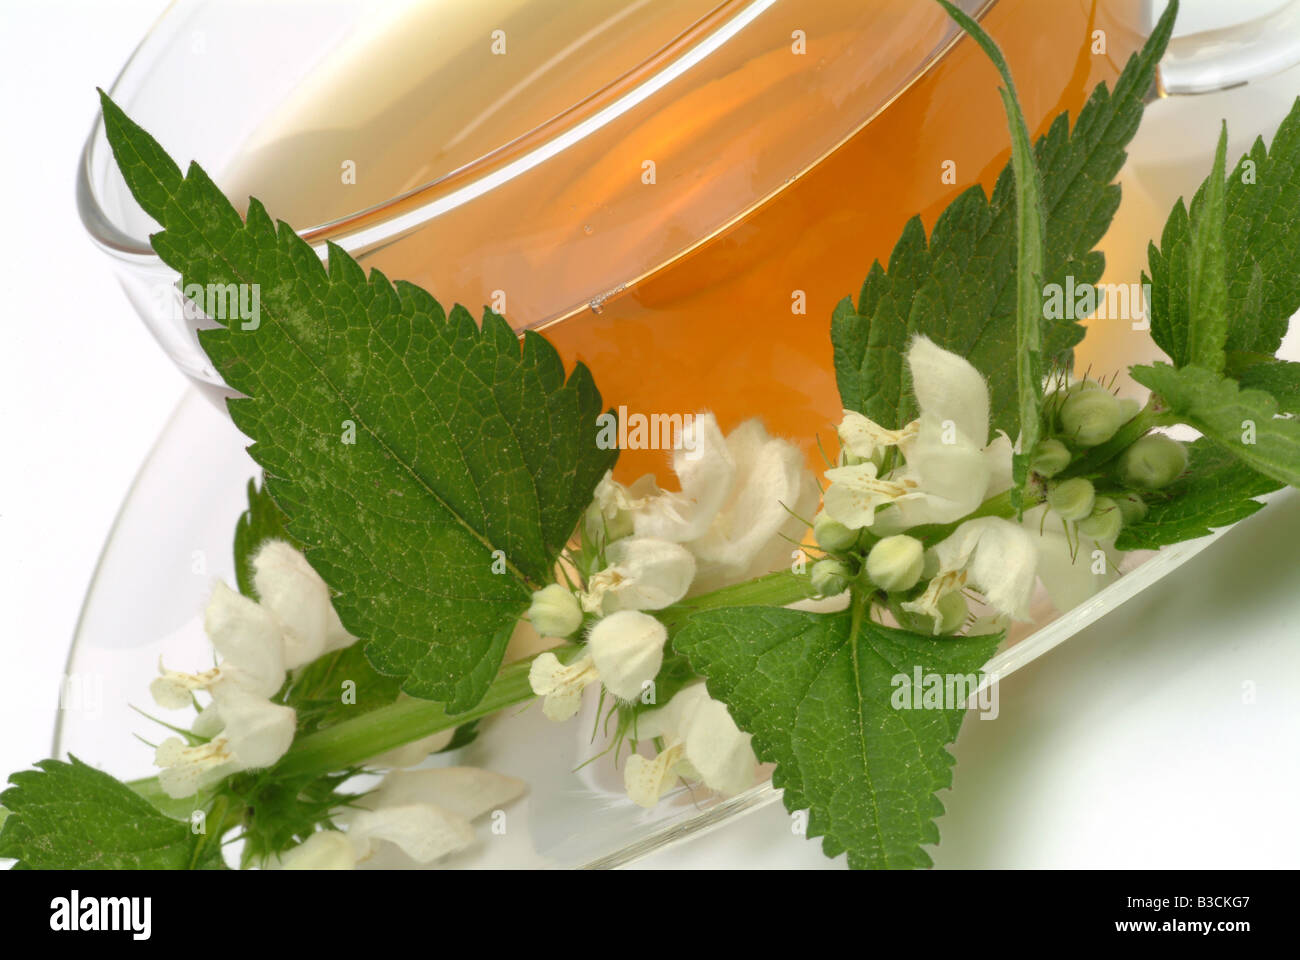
[790,178]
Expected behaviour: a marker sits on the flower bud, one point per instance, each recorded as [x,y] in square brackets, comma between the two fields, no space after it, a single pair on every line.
[1132,507]
[1050,458]
[1072,499]
[1153,462]
[1091,417]
[831,534]
[895,563]
[830,577]
[555,611]
[1104,522]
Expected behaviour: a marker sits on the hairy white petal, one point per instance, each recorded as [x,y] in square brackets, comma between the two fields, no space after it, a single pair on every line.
[300,600]
[257,731]
[713,746]
[323,850]
[644,574]
[1000,559]
[772,492]
[248,638]
[948,387]
[627,649]
[561,686]
[705,471]
[856,493]
[863,437]
[648,780]
[423,831]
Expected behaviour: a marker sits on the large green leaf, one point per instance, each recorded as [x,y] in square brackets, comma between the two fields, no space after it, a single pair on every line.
[432,470]
[70,816]
[816,692]
[1244,422]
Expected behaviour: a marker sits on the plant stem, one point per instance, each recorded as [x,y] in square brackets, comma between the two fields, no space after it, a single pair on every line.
[774,590]
[352,742]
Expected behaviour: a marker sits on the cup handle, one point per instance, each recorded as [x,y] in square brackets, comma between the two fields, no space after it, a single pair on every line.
[1232,56]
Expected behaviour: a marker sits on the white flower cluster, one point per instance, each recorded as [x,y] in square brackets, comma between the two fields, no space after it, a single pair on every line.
[411,819]
[258,642]
[739,505]
[943,468]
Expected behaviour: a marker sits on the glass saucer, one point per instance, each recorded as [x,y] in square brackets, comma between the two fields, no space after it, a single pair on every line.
[172,538]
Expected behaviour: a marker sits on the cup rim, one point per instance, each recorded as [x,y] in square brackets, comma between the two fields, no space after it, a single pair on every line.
[112,236]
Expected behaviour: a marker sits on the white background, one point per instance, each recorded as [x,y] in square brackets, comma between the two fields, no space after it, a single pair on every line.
[1133,745]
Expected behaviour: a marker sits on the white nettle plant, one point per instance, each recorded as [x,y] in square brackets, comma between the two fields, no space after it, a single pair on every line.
[740,506]
[944,468]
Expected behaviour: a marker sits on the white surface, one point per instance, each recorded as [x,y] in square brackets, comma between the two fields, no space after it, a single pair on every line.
[1131,745]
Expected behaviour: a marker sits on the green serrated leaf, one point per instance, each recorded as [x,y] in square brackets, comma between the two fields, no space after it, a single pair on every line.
[1278,378]
[432,470]
[1207,297]
[70,816]
[1243,422]
[317,691]
[1217,490]
[958,290]
[262,521]
[1261,244]
[816,692]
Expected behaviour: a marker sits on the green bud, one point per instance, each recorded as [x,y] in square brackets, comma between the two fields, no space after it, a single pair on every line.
[895,563]
[1153,462]
[1104,522]
[1050,458]
[1131,506]
[1072,499]
[830,577]
[1128,408]
[832,535]
[602,529]
[1091,417]
[555,611]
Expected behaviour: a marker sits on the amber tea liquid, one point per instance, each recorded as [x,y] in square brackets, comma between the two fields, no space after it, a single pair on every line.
[720,326]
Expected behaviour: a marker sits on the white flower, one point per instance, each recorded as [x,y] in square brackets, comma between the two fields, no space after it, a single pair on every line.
[610,516]
[769,505]
[741,497]
[299,598]
[248,639]
[995,556]
[624,651]
[293,624]
[950,467]
[1069,566]
[254,733]
[643,574]
[412,818]
[702,742]
[627,650]
[559,685]
[857,492]
[863,437]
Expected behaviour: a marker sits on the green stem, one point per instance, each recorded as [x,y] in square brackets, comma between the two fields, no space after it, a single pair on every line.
[353,742]
[774,590]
